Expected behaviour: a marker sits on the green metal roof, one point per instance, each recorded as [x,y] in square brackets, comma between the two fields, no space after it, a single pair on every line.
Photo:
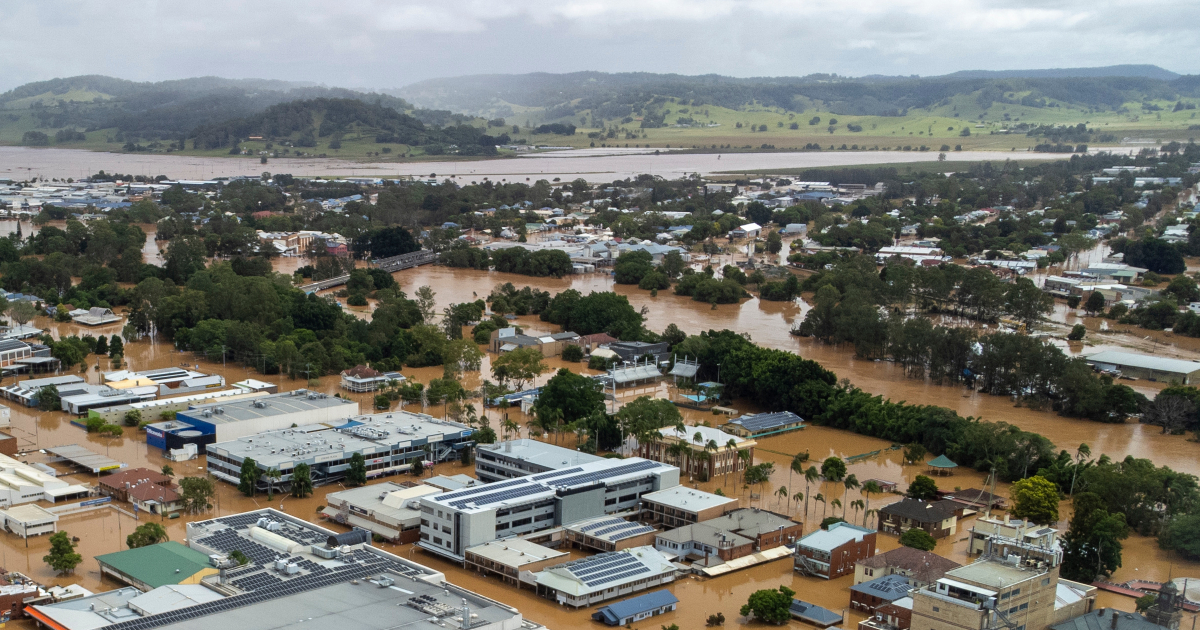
[943,462]
[155,565]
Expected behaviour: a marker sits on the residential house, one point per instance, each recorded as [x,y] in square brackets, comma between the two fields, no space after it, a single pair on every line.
[920,567]
[939,519]
[361,378]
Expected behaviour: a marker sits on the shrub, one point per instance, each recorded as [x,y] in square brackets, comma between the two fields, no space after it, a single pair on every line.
[572,353]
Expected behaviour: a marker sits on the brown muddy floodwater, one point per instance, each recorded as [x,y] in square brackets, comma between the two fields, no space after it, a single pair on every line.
[768,323]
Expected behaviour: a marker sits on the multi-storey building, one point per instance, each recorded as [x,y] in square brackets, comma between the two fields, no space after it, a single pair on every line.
[834,552]
[938,518]
[454,521]
[721,451]
[519,458]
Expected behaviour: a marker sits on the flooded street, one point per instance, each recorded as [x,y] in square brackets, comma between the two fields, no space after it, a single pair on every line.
[594,165]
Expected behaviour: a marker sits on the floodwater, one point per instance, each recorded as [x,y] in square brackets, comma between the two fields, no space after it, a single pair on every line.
[594,165]
[768,323]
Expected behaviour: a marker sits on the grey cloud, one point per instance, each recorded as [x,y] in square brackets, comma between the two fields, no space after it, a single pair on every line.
[381,43]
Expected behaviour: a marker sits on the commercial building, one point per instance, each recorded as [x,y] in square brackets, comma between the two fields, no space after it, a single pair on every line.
[147,489]
[26,392]
[387,509]
[896,615]
[1006,530]
[390,443]
[12,351]
[870,595]
[1145,366]
[605,576]
[231,420]
[171,381]
[731,536]
[833,553]
[518,458]
[922,568]
[22,483]
[88,397]
[720,456]
[29,520]
[510,558]
[636,608]
[154,408]
[1112,619]
[294,579]
[607,533]
[679,505]
[763,424]
[96,316]
[938,518]
[455,521]
[551,345]
[147,568]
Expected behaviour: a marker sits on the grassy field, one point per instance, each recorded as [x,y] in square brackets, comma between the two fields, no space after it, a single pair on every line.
[716,128]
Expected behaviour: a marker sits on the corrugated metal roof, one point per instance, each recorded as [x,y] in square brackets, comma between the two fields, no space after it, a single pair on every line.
[641,603]
[1143,361]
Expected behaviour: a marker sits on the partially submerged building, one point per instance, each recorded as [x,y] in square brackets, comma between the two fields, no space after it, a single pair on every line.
[1149,367]
[637,608]
[389,510]
[522,457]
[832,553]
[605,576]
[680,505]
[721,451]
[763,424]
[513,560]
[938,518]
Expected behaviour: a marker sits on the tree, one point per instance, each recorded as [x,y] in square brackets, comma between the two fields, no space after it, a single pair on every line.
[1035,499]
[48,399]
[357,473]
[923,488]
[914,453]
[147,534]
[1026,302]
[1171,412]
[1077,332]
[572,353]
[833,469]
[302,485]
[21,312]
[196,493]
[116,348]
[133,417]
[1092,544]
[1094,303]
[770,605]
[868,488]
[426,303]
[672,264]
[1145,602]
[1184,289]
[167,471]
[918,538]
[573,395]
[248,477]
[62,557]
[519,366]
[774,242]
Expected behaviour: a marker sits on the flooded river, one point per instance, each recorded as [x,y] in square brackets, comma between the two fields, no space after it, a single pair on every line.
[594,165]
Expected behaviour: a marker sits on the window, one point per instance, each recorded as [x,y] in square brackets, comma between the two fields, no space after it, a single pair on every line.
[1024,606]
[437,540]
[1045,581]
[1016,591]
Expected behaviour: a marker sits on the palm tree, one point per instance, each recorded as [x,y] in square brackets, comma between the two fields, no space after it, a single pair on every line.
[810,475]
[1082,452]
[712,448]
[868,514]
[744,455]
[272,475]
[698,438]
[730,447]
[798,497]
[782,493]
[798,464]
[849,482]
[869,488]
[821,499]
[510,427]
[676,450]
[857,504]
[835,504]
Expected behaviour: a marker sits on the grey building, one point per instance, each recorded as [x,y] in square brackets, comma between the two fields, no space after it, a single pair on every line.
[390,443]
[518,458]
[635,350]
[454,521]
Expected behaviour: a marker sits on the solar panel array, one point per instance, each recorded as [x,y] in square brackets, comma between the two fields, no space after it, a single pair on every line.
[457,494]
[503,495]
[556,473]
[623,531]
[602,522]
[609,567]
[768,420]
[604,474]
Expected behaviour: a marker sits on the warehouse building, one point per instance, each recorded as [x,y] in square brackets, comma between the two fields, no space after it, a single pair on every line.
[147,568]
[455,521]
[679,505]
[241,418]
[88,397]
[518,458]
[292,578]
[387,509]
[22,483]
[390,443]
[511,557]
[170,381]
[154,408]
[26,392]
[29,520]
[605,576]
[1145,366]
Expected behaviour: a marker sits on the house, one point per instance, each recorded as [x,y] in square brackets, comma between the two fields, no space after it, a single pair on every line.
[869,596]
[636,608]
[591,342]
[920,567]
[361,378]
[833,553]
[896,615]
[508,339]
[939,519]
[751,230]
[118,484]
[814,614]
[97,316]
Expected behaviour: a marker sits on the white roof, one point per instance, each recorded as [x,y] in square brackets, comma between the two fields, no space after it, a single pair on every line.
[689,499]
[1144,361]
[837,535]
[751,226]
[561,579]
[709,434]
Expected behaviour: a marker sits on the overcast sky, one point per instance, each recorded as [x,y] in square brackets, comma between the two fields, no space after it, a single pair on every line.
[391,43]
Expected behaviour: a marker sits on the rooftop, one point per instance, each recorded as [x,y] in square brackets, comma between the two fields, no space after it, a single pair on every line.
[544,485]
[1102,619]
[606,570]
[709,435]
[515,552]
[704,533]
[921,511]
[609,528]
[814,614]
[689,499]
[925,566]
[992,573]
[1143,361]
[837,535]
[751,522]
[539,453]
[157,565]
[295,401]
[634,605]
[766,421]
[888,587]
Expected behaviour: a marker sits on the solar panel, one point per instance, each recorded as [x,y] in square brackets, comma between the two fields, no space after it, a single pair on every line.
[604,474]
[556,473]
[768,420]
[484,488]
[496,497]
[599,524]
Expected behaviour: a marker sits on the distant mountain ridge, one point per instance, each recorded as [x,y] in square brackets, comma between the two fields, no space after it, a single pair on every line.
[1144,71]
